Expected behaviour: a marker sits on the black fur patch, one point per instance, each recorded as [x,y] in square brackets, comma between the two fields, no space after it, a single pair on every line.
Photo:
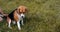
[11,16]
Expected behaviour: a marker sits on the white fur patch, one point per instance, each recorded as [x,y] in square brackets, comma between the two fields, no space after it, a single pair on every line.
[18,24]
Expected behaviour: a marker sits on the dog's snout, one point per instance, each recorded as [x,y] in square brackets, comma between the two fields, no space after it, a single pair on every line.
[22,17]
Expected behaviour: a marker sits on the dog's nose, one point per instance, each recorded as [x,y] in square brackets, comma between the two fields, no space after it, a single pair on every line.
[22,17]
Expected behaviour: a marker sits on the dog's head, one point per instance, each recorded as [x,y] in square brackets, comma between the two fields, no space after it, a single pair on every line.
[22,10]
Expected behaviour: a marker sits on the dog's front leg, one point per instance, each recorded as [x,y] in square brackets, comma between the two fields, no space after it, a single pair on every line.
[22,22]
[18,24]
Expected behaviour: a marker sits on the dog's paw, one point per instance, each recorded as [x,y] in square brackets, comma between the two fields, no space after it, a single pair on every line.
[10,27]
[19,28]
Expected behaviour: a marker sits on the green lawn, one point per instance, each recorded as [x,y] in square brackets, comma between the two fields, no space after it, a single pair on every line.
[42,16]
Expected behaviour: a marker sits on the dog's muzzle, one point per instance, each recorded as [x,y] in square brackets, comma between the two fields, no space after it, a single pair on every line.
[22,15]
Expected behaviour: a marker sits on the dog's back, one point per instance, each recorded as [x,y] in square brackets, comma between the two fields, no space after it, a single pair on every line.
[11,15]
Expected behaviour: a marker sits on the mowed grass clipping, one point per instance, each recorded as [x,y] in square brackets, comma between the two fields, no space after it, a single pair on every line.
[42,15]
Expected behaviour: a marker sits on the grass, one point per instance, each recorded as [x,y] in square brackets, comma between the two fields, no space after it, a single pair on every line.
[42,16]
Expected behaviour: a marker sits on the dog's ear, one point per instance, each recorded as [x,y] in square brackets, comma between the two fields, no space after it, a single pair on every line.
[18,10]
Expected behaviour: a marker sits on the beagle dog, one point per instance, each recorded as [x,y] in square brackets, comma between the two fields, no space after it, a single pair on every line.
[17,15]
